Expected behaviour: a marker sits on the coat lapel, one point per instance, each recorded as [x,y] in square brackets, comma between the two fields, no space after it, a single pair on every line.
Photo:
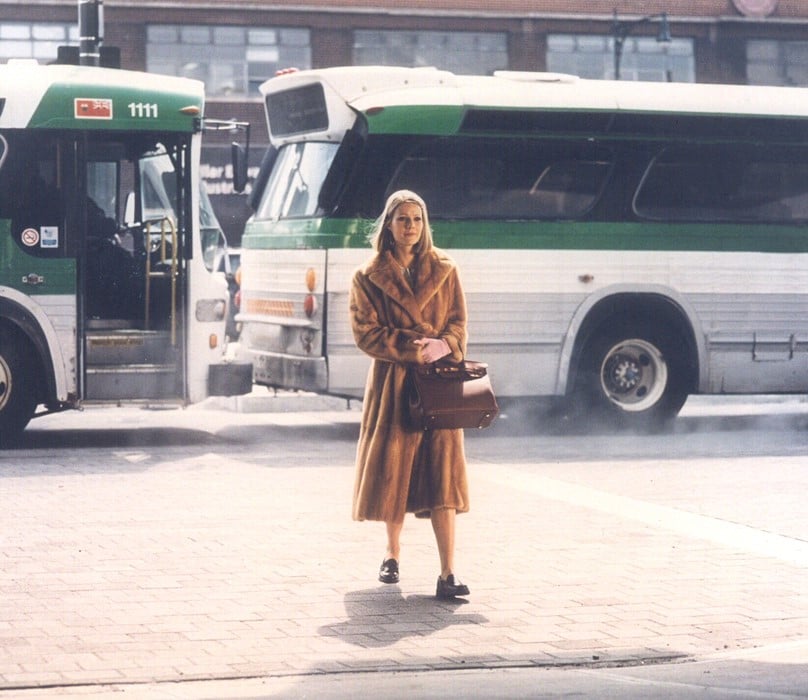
[387,276]
[431,273]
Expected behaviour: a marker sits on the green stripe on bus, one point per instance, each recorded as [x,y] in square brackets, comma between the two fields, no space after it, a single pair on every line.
[425,119]
[536,235]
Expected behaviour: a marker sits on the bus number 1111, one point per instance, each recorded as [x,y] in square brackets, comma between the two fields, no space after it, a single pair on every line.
[141,110]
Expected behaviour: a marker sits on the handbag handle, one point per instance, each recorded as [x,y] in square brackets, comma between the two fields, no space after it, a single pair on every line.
[463,370]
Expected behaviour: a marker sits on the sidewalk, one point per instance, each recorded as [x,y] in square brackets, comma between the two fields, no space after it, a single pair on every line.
[128,567]
[265,400]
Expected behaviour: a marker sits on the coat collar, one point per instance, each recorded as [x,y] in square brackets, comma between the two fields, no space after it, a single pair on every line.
[431,271]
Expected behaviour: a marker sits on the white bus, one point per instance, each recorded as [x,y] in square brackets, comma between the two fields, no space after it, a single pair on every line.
[622,244]
[107,244]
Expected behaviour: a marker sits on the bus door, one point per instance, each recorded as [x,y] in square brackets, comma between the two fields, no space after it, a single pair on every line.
[135,218]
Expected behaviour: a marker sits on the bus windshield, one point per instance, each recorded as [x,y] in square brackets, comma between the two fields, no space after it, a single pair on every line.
[159,186]
[159,201]
[297,178]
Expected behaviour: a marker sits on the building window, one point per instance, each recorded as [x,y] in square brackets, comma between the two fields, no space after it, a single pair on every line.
[40,40]
[470,53]
[231,61]
[777,63]
[644,58]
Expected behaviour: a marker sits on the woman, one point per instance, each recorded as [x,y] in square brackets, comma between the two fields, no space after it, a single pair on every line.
[407,307]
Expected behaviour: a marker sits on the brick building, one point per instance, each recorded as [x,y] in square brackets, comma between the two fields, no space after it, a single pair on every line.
[234,45]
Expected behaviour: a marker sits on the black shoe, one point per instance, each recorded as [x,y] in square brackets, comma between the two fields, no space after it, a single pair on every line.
[451,587]
[388,572]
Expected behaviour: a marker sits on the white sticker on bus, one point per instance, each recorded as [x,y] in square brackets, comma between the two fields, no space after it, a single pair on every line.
[50,236]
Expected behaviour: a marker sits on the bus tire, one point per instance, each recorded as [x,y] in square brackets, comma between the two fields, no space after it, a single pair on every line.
[17,390]
[631,378]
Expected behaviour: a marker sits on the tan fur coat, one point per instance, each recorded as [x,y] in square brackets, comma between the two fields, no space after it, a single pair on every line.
[399,469]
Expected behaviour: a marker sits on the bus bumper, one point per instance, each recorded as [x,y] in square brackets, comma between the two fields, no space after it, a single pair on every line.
[230,379]
[290,371]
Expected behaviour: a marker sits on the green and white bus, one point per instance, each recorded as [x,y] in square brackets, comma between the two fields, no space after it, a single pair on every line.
[107,244]
[622,244]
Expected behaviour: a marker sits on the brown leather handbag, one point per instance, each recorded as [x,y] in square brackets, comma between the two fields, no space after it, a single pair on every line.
[451,395]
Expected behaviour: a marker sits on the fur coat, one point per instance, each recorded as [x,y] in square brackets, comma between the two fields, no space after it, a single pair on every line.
[400,469]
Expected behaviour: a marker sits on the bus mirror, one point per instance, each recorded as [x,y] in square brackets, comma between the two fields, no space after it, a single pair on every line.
[239,156]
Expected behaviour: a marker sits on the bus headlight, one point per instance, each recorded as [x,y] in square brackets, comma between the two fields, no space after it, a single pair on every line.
[211,309]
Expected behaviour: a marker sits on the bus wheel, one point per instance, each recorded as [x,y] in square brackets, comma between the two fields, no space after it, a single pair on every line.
[17,393]
[636,380]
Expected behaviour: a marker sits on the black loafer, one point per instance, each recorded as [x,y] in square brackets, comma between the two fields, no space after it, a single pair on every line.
[451,587]
[388,572]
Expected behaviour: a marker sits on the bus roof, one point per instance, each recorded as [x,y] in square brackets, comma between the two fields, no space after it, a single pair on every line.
[83,97]
[452,98]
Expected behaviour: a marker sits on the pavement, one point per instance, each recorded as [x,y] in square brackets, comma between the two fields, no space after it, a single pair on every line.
[194,562]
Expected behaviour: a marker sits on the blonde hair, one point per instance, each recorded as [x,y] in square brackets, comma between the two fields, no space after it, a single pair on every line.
[381,238]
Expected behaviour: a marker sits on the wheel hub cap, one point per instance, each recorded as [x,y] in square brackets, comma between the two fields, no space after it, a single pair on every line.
[634,375]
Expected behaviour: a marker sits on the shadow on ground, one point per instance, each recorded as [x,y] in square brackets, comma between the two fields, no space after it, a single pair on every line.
[380,617]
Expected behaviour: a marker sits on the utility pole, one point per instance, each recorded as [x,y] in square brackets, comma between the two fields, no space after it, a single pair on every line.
[91,32]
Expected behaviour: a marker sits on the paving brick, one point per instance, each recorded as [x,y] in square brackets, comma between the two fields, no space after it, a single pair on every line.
[219,560]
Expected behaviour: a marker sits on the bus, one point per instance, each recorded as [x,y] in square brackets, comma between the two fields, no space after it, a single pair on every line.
[107,244]
[622,245]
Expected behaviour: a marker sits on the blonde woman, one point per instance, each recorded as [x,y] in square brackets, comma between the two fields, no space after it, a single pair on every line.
[407,307]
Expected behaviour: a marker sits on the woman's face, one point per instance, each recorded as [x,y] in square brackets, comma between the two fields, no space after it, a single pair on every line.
[407,224]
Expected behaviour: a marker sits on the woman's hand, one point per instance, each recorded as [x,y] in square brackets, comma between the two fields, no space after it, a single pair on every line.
[432,349]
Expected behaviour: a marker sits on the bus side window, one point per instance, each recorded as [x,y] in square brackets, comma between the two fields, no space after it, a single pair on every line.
[39,207]
[31,197]
[517,182]
[568,189]
[455,187]
[725,184]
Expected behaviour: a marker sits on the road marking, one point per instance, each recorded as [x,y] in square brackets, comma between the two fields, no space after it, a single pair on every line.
[728,534]
[133,457]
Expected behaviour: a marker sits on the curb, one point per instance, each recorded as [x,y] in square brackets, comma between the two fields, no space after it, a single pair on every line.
[266,400]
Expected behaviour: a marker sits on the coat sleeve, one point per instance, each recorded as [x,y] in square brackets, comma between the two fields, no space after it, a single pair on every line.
[454,333]
[372,336]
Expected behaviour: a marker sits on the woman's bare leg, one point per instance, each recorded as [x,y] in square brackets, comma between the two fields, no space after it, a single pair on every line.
[394,540]
[443,523]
